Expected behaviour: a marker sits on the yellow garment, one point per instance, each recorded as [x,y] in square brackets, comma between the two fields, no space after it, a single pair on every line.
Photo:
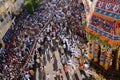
[32,72]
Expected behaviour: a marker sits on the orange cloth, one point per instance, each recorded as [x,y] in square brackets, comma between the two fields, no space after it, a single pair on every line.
[31,72]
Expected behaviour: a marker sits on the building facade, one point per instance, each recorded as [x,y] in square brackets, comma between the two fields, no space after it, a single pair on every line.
[8,10]
[5,21]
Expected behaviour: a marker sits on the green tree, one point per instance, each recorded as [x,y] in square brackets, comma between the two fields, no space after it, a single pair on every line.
[31,4]
[37,2]
[84,23]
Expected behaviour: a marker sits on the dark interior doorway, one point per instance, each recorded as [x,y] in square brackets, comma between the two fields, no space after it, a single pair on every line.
[0,45]
[115,53]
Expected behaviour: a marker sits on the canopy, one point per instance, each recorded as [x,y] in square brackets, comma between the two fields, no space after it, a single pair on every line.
[105,21]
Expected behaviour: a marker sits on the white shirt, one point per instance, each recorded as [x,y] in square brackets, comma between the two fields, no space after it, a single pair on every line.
[68,13]
[64,46]
[83,76]
[48,77]
[27,76]
[53,33]
[37,45]
[69,47]
[66,6]
[48,38]
[48,28]
[65,40]
[72,71]
[37,60]
[52,23]
[41,38]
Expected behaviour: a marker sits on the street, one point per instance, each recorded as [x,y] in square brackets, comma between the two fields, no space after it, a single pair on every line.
[46,65]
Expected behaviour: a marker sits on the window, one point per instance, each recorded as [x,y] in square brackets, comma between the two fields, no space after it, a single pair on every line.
[1,3]
[7,19]
[4,14]
[1,19]
[3,24]
[11,15]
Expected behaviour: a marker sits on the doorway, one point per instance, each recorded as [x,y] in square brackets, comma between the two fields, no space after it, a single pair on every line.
[114,55]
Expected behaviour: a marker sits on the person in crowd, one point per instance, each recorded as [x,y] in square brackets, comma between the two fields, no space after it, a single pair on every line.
[72,73]
[61,74]
[76,76]
[27,76]
[55,75]
[47,76]
[58,75]
[83,74]
[38,61]
[55,64]
[44,60]
[66,72]
[63,59]
[32,73]
[59,31]
[48,57]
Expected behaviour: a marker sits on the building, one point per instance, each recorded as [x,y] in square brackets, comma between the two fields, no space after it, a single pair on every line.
[5,21]
[103,32]
[8,8]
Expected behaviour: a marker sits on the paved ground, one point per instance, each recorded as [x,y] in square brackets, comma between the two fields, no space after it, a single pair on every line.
[49,69]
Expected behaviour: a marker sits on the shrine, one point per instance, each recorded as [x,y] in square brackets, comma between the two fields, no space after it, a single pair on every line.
[104,30]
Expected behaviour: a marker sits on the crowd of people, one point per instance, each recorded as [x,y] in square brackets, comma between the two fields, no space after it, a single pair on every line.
[18,47]
[63,32]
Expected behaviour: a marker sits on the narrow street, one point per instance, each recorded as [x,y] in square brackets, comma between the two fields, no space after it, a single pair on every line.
[58,20]
[49,68]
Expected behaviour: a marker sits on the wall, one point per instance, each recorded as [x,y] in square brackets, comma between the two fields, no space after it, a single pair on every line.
[5,20]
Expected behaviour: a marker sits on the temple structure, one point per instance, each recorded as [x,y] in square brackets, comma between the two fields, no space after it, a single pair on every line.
[103,32]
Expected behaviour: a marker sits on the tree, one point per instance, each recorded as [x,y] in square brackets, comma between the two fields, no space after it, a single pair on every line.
[31,4]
